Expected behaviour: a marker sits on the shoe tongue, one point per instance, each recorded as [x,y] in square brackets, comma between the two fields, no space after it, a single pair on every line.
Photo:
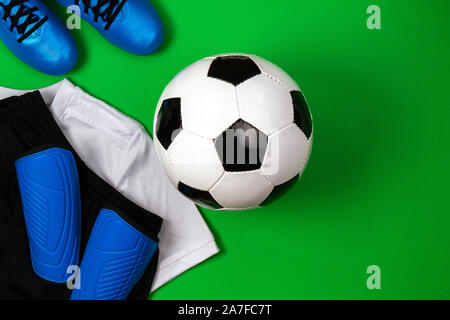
[22,20]
[14,10]
[94,3]
[111,4]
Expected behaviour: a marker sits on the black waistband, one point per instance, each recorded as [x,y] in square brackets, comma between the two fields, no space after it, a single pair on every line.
[33,104]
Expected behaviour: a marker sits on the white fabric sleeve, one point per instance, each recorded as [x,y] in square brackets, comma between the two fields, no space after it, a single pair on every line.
[120,151]
[185,238]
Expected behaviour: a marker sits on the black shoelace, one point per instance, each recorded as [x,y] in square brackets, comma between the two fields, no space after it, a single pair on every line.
[107,10]
[23,12]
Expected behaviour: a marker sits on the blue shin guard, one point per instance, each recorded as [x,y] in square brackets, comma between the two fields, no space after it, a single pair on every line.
[50,192]
[116,257]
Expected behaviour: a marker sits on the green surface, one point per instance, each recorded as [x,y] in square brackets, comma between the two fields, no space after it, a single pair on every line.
[376,190]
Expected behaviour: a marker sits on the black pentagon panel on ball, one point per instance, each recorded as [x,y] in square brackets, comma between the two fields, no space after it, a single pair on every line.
[233,69]
[199,196]
[279,190]
[241,147]
[302,114]
[168,122]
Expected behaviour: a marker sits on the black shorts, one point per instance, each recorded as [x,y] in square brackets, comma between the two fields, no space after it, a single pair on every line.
[26,124]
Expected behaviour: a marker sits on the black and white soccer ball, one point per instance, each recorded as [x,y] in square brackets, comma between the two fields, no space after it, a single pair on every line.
[233,132]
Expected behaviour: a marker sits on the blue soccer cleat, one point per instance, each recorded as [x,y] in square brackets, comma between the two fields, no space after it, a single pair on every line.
[37,36]
[132,25]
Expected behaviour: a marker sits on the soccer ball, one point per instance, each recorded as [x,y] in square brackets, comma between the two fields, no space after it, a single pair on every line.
[233,132]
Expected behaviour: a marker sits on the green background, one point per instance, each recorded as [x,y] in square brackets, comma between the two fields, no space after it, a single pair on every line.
[376,190]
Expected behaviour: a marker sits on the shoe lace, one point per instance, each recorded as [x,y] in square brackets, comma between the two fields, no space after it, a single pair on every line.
[106,10]
[23,18]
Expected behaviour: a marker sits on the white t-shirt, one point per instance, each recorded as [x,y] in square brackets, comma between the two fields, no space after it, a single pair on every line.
[118,149]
